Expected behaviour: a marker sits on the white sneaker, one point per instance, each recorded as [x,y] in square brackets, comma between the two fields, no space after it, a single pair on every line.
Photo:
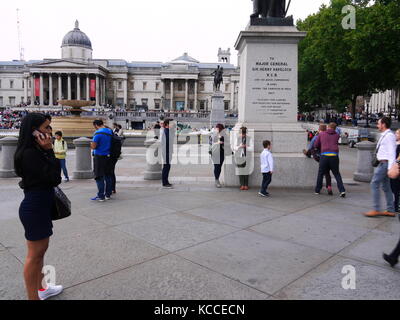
[51,291]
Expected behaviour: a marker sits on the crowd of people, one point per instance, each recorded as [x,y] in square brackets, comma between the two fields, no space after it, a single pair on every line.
[11,120]
[40,160]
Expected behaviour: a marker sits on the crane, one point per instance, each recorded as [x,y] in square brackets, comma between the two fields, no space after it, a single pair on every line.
[21,50]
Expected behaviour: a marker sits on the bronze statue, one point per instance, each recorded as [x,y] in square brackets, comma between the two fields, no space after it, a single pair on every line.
[218,78]
[270,8]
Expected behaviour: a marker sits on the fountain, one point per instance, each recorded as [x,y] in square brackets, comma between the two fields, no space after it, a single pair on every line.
[74,126]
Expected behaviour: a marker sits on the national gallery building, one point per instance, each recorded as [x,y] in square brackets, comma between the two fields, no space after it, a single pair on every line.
[181,84]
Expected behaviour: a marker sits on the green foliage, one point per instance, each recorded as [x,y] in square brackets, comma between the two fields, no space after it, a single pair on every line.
[337,65]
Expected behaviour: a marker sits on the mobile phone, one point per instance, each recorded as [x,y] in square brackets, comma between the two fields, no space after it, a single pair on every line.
[37,134]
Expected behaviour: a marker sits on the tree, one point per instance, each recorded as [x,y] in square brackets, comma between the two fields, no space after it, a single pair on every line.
[337,65]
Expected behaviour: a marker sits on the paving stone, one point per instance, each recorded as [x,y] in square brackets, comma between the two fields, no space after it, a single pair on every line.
[325,283]
[318,233]
[258,261]
[343,214]
[84,257]
[391,226]
[116,212]
[239,215]
[176,231]
[179,201]
[11,278]
[279,200]
[165,278]
[12,233]
[371,246]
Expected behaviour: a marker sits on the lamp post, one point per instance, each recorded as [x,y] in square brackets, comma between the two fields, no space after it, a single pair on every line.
[367,100]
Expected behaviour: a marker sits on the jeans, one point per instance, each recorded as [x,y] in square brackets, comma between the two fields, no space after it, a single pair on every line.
[381,178]
[63,166]
[165,174]
[395,186]
[104,186]
[327,164]
[267,178]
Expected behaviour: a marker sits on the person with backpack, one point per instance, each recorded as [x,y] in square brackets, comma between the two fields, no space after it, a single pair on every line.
[60,151]
[101,146]
[115,155]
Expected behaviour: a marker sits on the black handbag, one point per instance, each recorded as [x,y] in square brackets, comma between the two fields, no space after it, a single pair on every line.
[62,205]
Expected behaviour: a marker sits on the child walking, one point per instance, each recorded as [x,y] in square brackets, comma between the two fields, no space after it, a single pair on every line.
[267,168]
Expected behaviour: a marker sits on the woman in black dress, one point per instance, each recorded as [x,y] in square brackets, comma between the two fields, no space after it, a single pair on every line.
[36,164]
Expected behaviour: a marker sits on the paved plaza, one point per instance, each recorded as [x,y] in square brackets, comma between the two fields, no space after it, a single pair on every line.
[198,242]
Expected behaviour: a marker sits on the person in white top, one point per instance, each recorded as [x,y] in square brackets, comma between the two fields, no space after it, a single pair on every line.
[386,155]
[267,168]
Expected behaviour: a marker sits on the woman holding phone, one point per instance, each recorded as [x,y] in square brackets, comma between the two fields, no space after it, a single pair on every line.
[36,164]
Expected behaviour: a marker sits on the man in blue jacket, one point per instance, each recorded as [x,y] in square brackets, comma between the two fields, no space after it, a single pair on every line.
[101,147]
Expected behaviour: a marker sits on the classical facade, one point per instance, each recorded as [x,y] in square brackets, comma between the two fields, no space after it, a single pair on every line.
[181,84]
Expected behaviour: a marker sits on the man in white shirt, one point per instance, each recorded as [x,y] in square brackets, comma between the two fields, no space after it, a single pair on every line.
[386,155]
[267,168]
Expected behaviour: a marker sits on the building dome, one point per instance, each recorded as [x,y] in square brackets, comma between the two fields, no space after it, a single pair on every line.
[76,38]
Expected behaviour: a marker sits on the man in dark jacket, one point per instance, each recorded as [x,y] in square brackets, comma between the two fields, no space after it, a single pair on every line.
[328,143]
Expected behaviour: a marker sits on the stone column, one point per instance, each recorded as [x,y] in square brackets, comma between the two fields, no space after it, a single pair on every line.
[26,89]
[83,163]
[365,170]
[186,95]
[97,90]
[195,94]
[60,87]
[104,91]
[153,160]
[32,79]
[69,87]
[51,102]
[164,94]
[87,87]
[41,90]
[78,86]
[8,147]
[232,95]
[172,95]
[126,91]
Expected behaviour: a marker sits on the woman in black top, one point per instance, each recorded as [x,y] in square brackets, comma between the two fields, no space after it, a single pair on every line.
[36,164]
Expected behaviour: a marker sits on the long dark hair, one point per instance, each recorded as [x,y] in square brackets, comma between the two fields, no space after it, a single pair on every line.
[26,140]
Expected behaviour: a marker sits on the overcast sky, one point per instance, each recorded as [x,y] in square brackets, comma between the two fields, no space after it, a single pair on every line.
[134,30]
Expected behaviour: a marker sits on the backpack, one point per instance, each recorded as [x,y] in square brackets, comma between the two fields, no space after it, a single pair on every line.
[116,145]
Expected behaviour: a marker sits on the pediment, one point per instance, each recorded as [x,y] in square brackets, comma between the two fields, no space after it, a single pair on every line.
[63,64]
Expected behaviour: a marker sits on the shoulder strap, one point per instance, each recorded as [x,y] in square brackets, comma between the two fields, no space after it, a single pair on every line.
[380,141]
[103,133]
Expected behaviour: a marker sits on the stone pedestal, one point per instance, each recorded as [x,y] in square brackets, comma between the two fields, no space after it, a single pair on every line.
[217,109]
[8,148]
[153,160]
[268,105]
[83,163]
[365,170]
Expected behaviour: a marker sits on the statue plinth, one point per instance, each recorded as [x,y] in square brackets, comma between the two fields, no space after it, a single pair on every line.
[268,104]
[217,109]
[272,21]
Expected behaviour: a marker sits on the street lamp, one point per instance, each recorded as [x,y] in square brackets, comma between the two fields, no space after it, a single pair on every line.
[367,100]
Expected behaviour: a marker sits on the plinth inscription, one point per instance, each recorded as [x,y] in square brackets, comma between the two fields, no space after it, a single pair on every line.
[273,88]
